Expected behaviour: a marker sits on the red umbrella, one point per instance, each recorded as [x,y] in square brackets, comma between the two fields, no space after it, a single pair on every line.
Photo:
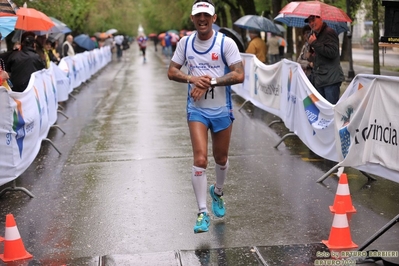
[152,35]
[161,35]
[30,19]
[103,35]
[316,8]
[174,37]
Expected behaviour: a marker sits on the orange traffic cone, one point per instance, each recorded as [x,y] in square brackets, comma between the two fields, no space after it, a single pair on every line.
[343,195]
[13,247]
[340,236]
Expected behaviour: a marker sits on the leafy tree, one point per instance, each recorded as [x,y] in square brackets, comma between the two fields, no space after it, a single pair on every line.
[74,13]
[160,16]
[91,16]
[375,13]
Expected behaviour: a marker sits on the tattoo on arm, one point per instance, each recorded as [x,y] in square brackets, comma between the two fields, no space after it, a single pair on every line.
[236,75]
[174,73]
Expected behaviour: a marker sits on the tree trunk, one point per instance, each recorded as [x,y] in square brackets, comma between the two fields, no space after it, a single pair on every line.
[276,7]
[290,43]
[235,14]
[376,39]
[299,41]
[222,18]
[344,48]
[248,7]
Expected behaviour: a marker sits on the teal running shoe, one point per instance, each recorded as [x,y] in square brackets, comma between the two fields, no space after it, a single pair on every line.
[217,203]
[202,223]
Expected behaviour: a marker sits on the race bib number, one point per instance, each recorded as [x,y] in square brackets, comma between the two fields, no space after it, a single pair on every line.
[214,97]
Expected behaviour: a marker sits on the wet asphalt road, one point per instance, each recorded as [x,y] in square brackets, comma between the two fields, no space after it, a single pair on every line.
[120,193]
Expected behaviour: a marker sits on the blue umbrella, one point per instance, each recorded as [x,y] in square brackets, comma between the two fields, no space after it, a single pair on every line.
[7,25]
[258,23]
[299,21]
[84,41]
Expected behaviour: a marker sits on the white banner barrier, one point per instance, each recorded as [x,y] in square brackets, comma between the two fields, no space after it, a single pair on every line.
[367,124]
[360,131]
[26,117]
[19,131]
[243,89]
[61,78]
[284,90]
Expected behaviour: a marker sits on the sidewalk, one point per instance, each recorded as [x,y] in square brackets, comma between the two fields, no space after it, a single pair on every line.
[360,68]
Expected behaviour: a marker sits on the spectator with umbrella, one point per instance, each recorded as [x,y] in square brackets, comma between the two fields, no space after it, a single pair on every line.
[327,71]
[40,50]
[21,64]
[305,54]
[281,46]
[154,38]
[125,43]
[168,45]
[50,50]
[257,46]
[67,47]
[118,42]
[174,39]
[273,49]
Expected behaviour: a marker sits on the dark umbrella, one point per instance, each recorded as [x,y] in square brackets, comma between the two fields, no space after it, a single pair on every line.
[215,27]
[59,27]
[258,23]
[84,41]
[235,36]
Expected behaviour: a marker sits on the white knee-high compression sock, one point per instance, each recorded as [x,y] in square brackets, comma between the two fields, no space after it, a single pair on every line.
[221,173]
[199,181]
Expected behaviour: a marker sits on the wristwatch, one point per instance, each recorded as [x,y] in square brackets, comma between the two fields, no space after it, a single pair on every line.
[214,82]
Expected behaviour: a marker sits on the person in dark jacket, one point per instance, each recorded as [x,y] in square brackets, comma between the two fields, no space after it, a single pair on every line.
[327,70]
[21,64]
